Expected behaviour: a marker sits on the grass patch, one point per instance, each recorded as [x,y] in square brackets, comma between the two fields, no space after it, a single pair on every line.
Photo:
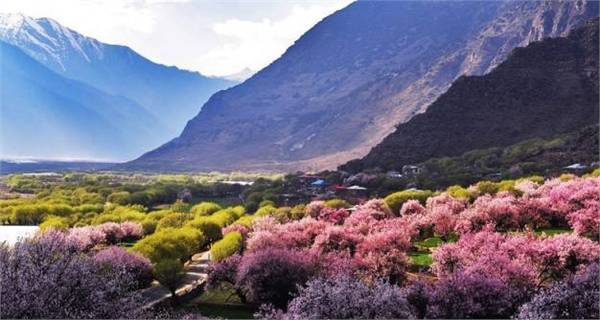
[420,259]
[225,311]
[432,242]
[220,303]
[552,231]
[126,244]
[219,296]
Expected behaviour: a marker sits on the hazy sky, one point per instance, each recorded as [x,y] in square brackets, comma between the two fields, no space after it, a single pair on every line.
[213,37]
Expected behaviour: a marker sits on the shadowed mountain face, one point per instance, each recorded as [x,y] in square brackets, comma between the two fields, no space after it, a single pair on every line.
[547,88]
[172,95]
[48,116]
[345,84]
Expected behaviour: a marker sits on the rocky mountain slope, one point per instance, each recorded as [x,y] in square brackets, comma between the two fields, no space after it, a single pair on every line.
[170,94]
[547,88]
[345,84]
[46,115]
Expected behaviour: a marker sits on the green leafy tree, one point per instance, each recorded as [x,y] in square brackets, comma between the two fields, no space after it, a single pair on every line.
[169,273]
[230,244]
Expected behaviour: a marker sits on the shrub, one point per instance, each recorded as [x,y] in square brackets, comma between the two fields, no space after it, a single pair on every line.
[272,275]
[157,215]
[298,212]
[473,296]
[205,208]
[382,256]
[337,204]
[567,177]
[314,208]
[488,187]
[45,277]
[169,273]
[412,207]
[367,214]
[231,244]
[574,298]
[149,226]
[180,206]
[236,228]
[245,221]
[397,199]
[522,260]
[29,214]
[238,211]
[112,232]
[170,244]
[209,228]
[418,295]
[459,192]
[121,213]
[173,220]
[286,214]
[265,211]
[595,173]
[347,298]
[266,203]
[559,256]
[105,217]
[54,222]
[115,259]
[282,214]
[338,239]
[121,197]
[333,215]
[85,238]
[223,271]
[586,221]
[296,234]
[131,231]
[502,211]
[442,213]
[226,217]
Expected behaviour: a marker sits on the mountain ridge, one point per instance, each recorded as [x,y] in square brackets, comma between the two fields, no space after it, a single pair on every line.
[346,83]
[549,87]
[173,95]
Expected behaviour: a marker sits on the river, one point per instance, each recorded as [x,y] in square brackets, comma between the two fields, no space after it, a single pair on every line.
[11,234]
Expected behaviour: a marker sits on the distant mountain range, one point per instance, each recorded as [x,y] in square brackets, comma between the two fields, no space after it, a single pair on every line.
[346,83]
[543,90]
[47,115]
[79,97]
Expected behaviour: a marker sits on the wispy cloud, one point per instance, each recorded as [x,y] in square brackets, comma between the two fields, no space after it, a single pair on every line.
[255,43]
[213,37]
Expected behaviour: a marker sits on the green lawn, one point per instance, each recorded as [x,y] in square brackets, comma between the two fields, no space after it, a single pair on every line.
[220,303]
[223,311]
[430,242]
[219,296]
[552,231]
[420,259]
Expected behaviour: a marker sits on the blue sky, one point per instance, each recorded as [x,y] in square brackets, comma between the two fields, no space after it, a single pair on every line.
[213,37]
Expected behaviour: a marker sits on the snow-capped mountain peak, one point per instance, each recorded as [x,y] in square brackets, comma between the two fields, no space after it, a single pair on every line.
[47,41]
[168,93]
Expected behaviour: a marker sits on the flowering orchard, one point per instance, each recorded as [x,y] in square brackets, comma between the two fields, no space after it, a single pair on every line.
[489,258]
[515,249]
[86,272]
